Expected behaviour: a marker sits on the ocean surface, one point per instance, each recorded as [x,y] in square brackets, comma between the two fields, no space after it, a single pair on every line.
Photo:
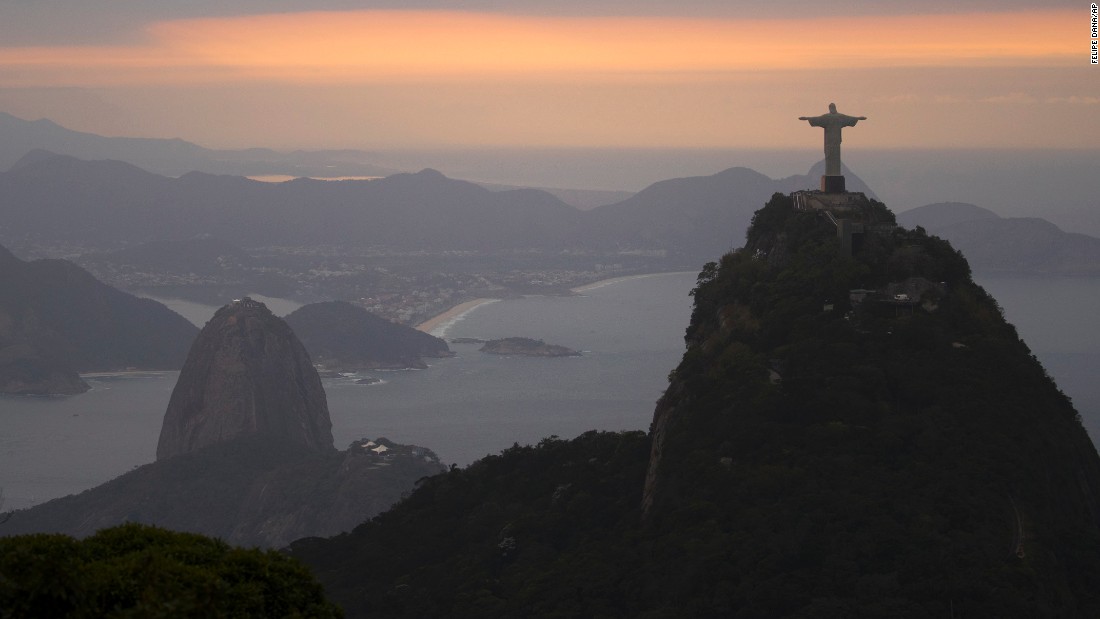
[631,332]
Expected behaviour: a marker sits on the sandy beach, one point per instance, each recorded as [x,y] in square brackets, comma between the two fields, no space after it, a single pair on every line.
[437,325]
[451,315]
[615,280]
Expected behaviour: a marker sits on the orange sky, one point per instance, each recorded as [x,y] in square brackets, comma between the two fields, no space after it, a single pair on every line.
[372,45]
[446,75]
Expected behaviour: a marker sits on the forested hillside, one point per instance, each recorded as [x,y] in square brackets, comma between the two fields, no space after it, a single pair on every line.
[847,435]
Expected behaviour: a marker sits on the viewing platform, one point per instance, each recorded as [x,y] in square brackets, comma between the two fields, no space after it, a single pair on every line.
[850,212]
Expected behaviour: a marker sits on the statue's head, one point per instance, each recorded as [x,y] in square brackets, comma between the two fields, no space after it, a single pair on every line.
[832,108]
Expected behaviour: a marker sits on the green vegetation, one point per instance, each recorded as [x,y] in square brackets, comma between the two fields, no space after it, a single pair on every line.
[876,458]
[139,571]
[818,453]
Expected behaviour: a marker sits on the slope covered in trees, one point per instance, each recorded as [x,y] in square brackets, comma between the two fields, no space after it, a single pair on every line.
[138,571]
[847,435]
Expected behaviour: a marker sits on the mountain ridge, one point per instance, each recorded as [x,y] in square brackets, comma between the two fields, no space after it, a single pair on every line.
[1010,245]
[688,219]
[175,156]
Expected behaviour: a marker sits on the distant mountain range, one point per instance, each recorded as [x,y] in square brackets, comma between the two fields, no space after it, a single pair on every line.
[104,203]
[174,157]
[1012,181]
[708,213]
[1018,245]
[107,203]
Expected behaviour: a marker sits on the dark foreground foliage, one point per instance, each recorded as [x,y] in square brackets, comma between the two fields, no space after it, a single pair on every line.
[500,537]
[885,457]
[139,571]
[818,453]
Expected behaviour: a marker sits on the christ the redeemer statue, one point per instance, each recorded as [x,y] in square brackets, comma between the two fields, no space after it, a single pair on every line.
[832,122]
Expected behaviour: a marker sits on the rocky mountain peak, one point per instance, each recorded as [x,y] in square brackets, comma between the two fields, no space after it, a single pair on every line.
[247,375]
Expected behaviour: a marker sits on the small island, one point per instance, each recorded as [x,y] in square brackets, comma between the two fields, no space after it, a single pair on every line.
[527,347]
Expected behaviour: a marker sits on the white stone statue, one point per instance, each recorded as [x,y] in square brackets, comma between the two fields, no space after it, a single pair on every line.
[832,122]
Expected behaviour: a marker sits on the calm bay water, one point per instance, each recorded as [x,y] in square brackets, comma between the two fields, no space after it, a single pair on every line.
[463,407]
[631,333]
[54,446]
[474,404]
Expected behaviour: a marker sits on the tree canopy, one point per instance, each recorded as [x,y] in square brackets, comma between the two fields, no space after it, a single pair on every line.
[848,434]
[140,571]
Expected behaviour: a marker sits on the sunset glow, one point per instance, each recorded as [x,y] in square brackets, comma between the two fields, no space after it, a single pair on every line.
[414,78]
[389,45]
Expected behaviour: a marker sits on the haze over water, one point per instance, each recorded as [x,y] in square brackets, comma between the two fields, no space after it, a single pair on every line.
[476,404]
[463,408]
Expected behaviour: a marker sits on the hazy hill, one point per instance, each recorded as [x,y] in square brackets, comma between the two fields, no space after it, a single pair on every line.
[815,455]
[105,202]
[56,319]
[174,157]
[685,214]
[346,337]
[1012,181]
[812,180]
[933,217]
[1019,245]
[583,199]
[699,217]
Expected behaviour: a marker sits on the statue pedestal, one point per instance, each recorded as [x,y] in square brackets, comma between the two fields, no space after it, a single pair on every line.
[832,184]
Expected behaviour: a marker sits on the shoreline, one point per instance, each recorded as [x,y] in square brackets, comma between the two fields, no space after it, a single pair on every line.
[440,322]
[614,280]
[437,325]
[120,373]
